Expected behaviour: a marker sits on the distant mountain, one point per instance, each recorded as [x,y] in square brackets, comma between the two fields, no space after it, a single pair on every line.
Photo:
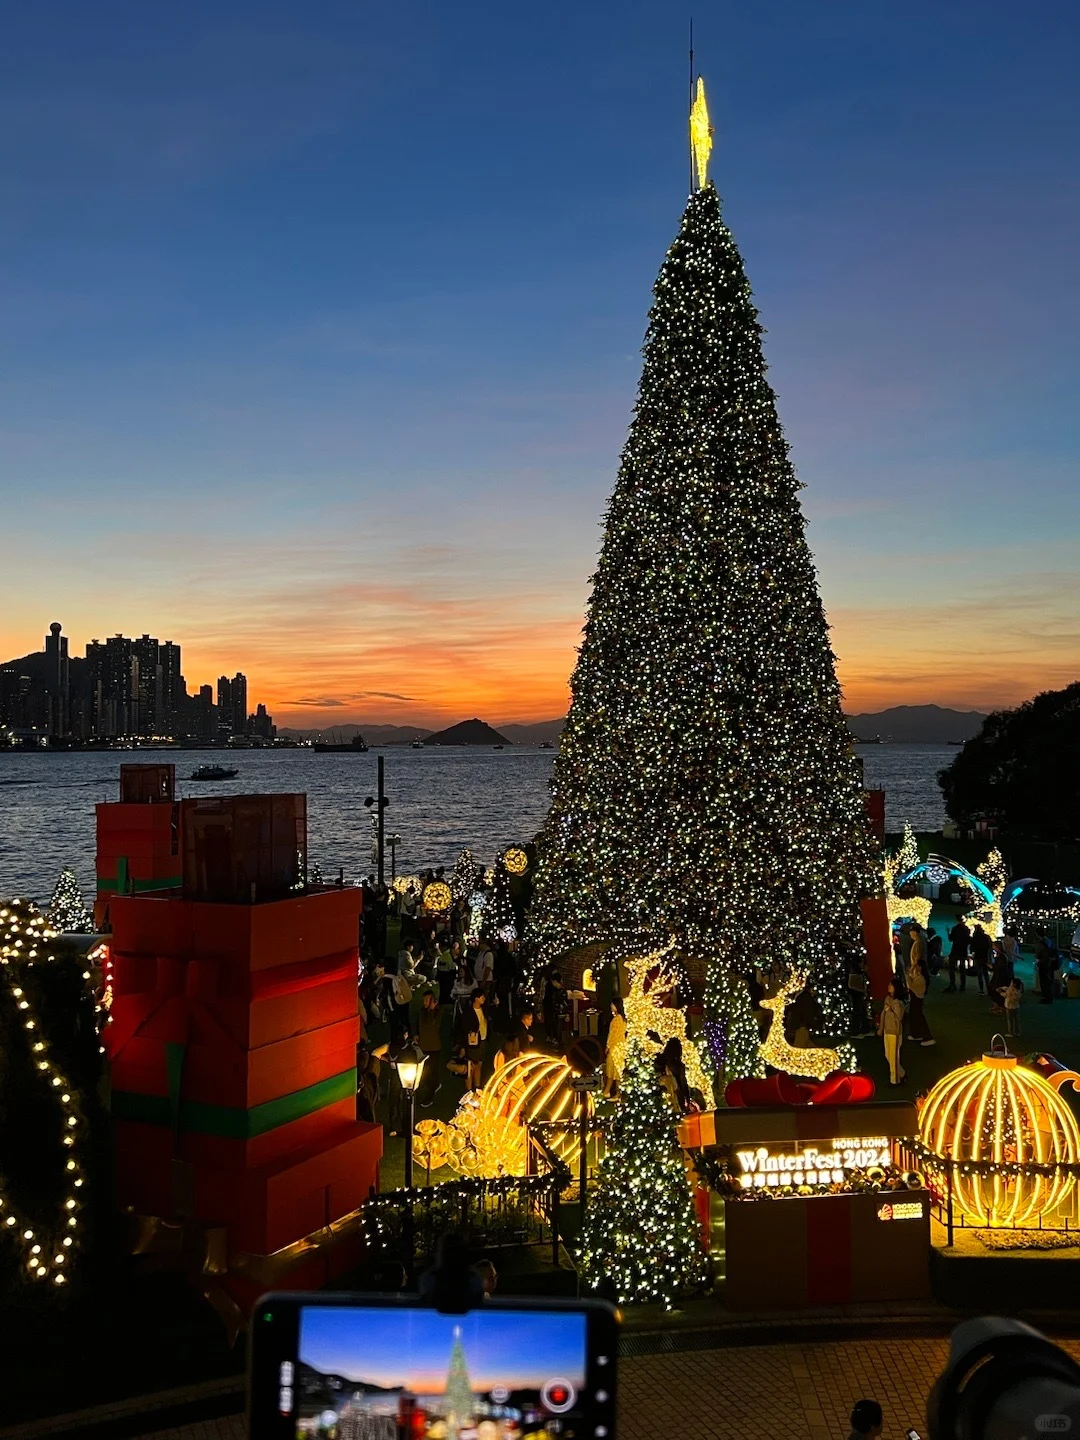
[468,732]
[904,724]
[543,731]
[917,725]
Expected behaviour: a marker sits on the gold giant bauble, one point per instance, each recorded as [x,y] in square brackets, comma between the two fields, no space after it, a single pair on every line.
[437,897]
[516,861]
[996,1113]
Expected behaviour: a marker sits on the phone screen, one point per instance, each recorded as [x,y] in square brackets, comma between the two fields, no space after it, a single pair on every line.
[369,1370]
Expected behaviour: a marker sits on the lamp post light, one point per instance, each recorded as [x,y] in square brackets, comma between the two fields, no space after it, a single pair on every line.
[380,802]
[409,1064]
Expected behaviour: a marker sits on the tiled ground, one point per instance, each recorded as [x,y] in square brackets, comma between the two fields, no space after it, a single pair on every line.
[798,1392]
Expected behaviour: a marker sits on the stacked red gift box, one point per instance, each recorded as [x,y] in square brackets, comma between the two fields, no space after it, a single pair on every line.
[232,1038]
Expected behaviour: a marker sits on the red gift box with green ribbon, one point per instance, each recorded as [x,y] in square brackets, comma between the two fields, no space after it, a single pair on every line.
[231,1044]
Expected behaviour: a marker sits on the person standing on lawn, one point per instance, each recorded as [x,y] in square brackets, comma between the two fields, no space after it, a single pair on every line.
[918,985]
[980,954]
[959,943]
[891,1030]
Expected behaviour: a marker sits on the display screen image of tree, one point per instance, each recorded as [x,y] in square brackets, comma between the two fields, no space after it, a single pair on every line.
[378,1374]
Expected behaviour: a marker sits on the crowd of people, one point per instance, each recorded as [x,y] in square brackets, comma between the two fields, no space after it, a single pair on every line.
[973,955]
[467,1001]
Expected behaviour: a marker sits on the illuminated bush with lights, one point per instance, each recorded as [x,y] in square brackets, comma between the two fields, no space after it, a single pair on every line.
[1010,1137]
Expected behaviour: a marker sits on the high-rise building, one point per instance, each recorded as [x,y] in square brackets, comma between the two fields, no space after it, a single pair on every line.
[261,724]
[239,704]
[14,698]
[57,681]
[173,689]
[121,677]
[147,717]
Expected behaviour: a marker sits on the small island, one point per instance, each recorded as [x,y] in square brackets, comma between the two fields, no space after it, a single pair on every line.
[467,732]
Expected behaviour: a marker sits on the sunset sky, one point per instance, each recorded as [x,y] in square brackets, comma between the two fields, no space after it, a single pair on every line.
[412,1347]
[321,330]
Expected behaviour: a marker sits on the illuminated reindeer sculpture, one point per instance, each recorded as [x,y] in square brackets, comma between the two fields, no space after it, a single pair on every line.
[775,1050]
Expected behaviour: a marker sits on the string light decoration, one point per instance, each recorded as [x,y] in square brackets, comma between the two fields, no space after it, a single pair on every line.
[45,1249]
[994,873]
[1013,1141]
[902,907]
[315,873]
[488,1135]
[641,1232]
[437,897]
[465,876]
[67,910]
[701,133]
[732,1034]
[501,920]
[516,860]
[646,1017]
[907,857]
[705,786]
[478,902]
[774,1050]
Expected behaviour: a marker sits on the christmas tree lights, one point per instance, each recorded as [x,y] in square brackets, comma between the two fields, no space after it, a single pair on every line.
[500,918]
[45,1247]
[465,876]
[706,786]
[641,1232]
[67,912]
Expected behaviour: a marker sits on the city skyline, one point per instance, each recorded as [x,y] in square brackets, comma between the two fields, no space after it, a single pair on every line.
[411,1348]
[311,363]
[121,687]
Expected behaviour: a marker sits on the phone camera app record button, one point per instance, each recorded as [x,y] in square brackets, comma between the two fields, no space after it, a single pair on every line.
[558,1395]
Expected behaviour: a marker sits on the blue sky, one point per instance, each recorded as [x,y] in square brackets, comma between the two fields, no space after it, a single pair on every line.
[321,329]
[518,1349]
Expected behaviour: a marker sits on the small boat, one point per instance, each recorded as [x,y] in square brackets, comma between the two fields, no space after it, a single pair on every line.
[418,744]
[546,745]
[496,747]
[212,772]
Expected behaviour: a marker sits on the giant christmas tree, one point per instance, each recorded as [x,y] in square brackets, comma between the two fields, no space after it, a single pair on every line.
[705,788]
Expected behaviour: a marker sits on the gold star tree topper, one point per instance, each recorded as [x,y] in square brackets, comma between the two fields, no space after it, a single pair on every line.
[701,133]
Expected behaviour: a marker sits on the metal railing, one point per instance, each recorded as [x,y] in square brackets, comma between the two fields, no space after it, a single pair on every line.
[940,1175]
[511,1212]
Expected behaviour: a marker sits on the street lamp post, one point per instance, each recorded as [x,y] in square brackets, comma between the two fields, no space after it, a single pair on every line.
[381,802]
[409,1064]
[393,841]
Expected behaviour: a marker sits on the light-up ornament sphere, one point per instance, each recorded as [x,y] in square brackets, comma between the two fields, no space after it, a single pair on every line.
[516,861]
[437,897]
[992,1118]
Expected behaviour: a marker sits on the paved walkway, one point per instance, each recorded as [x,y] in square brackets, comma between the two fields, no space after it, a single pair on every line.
[761,1392]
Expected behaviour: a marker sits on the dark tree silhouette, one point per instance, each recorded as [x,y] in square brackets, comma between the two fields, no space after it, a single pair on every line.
[1022,770]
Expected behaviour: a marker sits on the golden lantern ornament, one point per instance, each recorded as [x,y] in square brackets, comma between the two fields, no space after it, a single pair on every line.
[515,860]
[437,897]
[1011,1138]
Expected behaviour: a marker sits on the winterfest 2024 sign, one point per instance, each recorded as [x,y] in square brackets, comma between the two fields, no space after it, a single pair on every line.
[825,1163]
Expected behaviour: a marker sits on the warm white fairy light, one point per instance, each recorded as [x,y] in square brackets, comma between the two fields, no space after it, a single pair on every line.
[646,1016]
[706,785]
[24,929]
[774,1050]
